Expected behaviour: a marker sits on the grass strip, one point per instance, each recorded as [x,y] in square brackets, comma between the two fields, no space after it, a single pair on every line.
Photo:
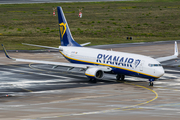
[101,23]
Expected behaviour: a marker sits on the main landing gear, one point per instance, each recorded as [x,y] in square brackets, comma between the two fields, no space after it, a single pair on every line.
[120,77]
[93,80]
[151,82]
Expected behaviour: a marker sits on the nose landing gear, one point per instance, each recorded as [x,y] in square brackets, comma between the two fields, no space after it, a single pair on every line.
[151,82]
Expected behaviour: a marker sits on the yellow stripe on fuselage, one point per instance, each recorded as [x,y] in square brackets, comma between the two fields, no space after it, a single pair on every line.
[107,65]
[89,75]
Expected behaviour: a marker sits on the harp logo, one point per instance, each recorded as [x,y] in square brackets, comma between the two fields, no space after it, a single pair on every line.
[62,28]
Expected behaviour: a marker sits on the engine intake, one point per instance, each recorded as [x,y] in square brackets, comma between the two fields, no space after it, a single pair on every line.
[94,73]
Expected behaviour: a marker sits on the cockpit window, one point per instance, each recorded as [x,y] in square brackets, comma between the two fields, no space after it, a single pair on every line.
[154,65]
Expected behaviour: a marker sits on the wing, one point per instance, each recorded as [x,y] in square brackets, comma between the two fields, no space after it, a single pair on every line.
[84,66]
[162,59]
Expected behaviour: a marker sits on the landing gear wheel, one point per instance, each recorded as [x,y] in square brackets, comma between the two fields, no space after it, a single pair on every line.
[120,77]
[150,83]
[93,80]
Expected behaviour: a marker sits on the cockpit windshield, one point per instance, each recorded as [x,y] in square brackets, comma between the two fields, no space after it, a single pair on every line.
[154,65]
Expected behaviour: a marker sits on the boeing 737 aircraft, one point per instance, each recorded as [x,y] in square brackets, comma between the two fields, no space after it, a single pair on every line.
[96,62]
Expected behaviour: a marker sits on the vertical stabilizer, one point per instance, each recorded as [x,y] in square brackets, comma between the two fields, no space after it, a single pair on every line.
[65,34]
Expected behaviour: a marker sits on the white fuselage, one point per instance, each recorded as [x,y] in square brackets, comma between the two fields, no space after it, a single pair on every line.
[120,62]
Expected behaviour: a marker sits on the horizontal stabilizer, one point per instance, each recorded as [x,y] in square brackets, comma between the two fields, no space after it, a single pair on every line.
[84,44]
[43,46]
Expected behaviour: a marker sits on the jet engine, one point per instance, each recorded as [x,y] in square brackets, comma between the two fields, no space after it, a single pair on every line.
[94,73]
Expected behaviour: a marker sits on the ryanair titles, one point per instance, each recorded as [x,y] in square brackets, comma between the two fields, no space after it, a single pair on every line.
[117,60]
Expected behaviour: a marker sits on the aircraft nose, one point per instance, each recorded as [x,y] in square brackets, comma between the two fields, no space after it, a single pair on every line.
[160,72]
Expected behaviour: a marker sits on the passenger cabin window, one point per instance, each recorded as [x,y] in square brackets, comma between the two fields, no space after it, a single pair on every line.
[154,65]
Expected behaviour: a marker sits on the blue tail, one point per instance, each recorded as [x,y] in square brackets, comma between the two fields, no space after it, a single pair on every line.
[65,34]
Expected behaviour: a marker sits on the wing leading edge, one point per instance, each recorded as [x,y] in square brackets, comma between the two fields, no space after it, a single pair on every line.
[162,59]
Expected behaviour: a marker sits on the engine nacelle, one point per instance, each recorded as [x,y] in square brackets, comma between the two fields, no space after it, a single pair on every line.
[94,73]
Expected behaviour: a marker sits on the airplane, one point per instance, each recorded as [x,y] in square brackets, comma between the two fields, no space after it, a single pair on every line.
[96,62]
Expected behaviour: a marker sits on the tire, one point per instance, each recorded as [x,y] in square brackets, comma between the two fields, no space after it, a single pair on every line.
[93,80]
[120,77]
[151,84]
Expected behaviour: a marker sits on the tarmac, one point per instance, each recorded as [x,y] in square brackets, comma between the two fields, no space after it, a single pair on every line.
[38,92]
[31,91]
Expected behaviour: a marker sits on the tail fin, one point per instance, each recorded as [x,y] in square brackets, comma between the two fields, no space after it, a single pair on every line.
[65,34]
